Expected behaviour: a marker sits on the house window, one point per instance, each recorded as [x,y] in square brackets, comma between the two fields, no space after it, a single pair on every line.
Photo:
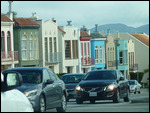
[31,46]
[67,49]
[125,57]
[8,41]
[96,55]
[35,47]
[2,41]
[55,45]
[46,50]
[24,47]
[50,44]
[101,55]
[75,48]
[121,57]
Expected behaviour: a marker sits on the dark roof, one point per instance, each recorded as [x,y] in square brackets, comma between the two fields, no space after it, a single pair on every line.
[141,37]
[74,74]
[97,35]
[5,18]
[24,21]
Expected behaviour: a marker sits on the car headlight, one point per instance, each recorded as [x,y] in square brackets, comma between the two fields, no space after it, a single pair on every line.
[110,87]
[78,88]
[31,93]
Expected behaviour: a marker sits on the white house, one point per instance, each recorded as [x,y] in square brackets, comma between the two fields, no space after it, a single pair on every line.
[48,43]
[69,47]
[9,57]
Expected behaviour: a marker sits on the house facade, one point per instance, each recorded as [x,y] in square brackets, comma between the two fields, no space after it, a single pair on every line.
[48,44]
[122,56]
[141,49]
[110,53]
[9,57]
[98,49]
[68,40]
[86,60]
[26,41]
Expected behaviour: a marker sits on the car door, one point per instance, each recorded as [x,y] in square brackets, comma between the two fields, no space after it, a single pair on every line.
[121,84]
[48,89]
[56,85]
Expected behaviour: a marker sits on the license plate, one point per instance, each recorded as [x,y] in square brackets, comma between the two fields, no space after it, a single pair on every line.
[92,94]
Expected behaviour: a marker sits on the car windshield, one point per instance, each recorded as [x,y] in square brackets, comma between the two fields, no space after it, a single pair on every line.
[101,75]
[30,76]
[131,82]
[71,78]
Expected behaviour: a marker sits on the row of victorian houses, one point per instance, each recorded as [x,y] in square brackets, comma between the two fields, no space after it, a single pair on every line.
[66,49]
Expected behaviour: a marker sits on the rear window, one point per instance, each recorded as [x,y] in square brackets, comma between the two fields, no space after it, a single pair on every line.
[101,75]
[31,76]
[71,78]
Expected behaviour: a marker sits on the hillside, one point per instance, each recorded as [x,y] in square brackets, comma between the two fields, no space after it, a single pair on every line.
[122,28]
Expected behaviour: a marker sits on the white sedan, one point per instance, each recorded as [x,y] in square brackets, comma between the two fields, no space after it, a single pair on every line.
[134,86]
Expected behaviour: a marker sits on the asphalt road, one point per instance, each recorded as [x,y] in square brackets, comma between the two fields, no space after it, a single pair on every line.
[138,103]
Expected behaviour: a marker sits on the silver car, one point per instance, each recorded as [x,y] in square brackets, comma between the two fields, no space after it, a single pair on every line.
[134,86]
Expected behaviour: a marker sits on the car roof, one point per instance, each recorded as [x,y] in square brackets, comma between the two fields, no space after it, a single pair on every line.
[77,74]
[27,68]
[104,70]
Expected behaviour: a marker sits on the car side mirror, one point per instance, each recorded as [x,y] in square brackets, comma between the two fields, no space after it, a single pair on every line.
[121,78]
[49,81]
[12,80]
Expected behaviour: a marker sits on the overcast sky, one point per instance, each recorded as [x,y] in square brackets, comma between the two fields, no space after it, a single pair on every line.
[88,13]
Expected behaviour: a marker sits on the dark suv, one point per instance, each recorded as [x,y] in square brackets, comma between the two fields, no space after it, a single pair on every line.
[43,88]
[102,85]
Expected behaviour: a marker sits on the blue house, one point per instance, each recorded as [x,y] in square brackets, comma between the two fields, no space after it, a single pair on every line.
[122,56]
[98,49]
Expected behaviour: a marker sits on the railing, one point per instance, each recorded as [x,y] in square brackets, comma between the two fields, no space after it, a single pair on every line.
[133,67]
[9,56]
[54,57]
[87,61]
[111,63]
[118,63]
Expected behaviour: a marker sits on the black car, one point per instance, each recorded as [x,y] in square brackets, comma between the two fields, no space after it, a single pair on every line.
[43,88]
[71,80]
[102,85]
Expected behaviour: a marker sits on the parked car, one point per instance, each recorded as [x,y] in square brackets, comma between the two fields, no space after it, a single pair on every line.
[13,100]
[134,86]
[102,85]
[43,88]
[71,80]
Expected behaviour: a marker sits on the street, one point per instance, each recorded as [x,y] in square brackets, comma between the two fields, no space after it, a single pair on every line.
[138,103]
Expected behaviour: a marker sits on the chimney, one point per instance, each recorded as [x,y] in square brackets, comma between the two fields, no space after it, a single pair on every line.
[10,10]
[96,27]
[69,23]
[118,35]
[54,20]
[108,32]
[34,17]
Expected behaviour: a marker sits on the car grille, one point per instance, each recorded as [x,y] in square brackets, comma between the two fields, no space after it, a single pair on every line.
[93,89]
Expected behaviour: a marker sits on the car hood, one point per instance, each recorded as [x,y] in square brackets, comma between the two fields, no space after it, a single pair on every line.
[96,83]
[28,87]
[71,85]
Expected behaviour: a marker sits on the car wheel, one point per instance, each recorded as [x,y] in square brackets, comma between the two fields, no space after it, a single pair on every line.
[42,107]
[63,105]
[79,101]
[135,91]
[139,92]
[92,101]
[127,99]
[117,99]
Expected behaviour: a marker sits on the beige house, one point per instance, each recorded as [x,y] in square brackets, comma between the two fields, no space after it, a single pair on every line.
[110,53]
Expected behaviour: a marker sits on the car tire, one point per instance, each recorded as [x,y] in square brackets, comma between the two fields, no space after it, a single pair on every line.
[135,91]
[42,105]
[127,99]
[92,101]
[117,98]
[63,106]
[79,101]
[139,92]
